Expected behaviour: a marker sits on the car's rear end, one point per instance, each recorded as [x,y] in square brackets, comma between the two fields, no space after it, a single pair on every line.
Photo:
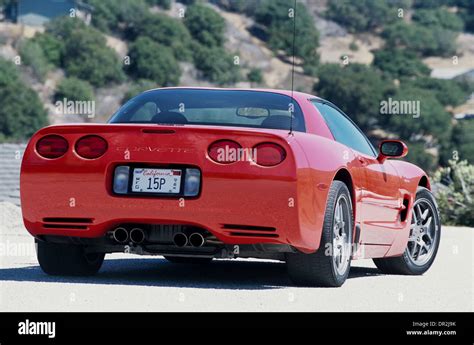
[164,188]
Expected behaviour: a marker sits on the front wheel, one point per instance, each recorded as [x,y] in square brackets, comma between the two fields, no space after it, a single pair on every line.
[68,260]
[423,241]
[329,266]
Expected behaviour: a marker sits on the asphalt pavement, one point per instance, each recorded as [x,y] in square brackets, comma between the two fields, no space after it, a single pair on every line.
[144,283]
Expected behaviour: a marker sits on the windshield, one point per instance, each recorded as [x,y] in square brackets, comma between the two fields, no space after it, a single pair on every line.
[257,109]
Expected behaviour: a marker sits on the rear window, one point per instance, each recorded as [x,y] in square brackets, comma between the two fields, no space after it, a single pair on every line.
[256,109]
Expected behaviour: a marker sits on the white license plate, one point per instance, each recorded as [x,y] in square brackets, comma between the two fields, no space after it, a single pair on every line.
[167,181]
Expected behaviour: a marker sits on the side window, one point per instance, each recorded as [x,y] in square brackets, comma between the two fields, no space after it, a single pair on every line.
[344,130]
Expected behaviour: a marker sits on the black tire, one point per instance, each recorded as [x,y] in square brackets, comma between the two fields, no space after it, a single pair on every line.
[188,260]
[67,260]
[319,268]
[405,264]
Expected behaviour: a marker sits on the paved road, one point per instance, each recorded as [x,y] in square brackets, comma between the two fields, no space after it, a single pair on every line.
[133,283]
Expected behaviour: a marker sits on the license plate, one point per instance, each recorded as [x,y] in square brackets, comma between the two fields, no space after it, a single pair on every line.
[166,181]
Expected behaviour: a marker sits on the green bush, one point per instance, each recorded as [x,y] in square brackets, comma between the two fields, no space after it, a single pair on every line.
[166,4]
[417,155]
[239,6]
[433,119]
[255,75]
[86,54]
[32,55]
[432,41]
[74,89]
[216,65]
[463,140]
[167,31]
[153,61]
[22,112]
[138,87]
[399,63]
[205,25]
[357,89]
[52,47]
[454,191]
[438,17]
[362,15]
[275,16]
[113,15]
[447,91]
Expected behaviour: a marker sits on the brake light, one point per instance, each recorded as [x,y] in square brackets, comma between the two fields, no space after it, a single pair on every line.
[224,151]
[91,147]
[52,146]
[269,154]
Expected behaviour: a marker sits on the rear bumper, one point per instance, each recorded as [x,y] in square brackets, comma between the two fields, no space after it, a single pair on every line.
[239,203]
[232,210]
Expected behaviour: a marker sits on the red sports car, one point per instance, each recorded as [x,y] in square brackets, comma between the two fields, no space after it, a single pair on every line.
[195,174]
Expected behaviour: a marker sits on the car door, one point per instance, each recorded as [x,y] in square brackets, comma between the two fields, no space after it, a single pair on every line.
[380,201]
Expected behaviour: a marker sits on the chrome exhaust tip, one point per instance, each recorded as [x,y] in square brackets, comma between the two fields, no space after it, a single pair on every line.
[196,240]
[180,239]
[120,235]
[137,235]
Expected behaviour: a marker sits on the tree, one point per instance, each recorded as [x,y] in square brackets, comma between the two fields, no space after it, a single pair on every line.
[53,48]
[432,119]
[166,31]
[399,63]
[255,75]
[446,91]
[362,15]
[432,41]
[74,89]
[417,155]
[153,61]
[216,65]
[113,15]
[138,87]
[32,55]
[463,140]
[239,6]
[22,112]
[205,25]
[438,17]
[357,89]
[278,17]
[166,4]
[86,54]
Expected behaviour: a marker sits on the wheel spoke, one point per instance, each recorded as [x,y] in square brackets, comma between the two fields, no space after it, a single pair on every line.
[428,223]
[420,214]
[423,216]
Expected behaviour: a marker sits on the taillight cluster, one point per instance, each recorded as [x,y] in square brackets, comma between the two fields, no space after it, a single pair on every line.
[55,146]
[265,154]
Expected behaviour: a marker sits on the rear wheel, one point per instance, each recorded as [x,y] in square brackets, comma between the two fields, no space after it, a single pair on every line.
[423,241]
[188,260]
[329,266]
[68,260]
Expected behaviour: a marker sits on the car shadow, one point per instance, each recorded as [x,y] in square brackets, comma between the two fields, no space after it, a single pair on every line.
[220,274]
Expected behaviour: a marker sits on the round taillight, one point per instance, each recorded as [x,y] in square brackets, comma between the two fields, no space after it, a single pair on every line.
[52,146]
[224,151]
[269,154]
[91,147]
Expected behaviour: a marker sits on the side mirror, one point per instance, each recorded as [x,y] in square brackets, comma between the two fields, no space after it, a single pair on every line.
[392,149]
